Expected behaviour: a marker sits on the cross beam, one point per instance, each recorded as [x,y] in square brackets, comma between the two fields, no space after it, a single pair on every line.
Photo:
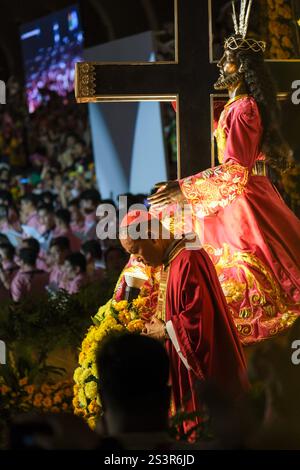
[188,80]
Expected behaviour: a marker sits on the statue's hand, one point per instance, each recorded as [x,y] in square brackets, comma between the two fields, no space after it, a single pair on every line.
[161,184]
[168,193]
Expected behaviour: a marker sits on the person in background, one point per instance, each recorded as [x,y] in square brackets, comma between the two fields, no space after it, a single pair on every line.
[59,250]
[77,219]
[115,259]
[6,199]
[63,229]
[7,269]
[28,281]
[29,215]
[89,201]
[34,245]
[47,197]
[93,255]
[47,221]
[74,273]
[134,391]
[7,254]
[4,223]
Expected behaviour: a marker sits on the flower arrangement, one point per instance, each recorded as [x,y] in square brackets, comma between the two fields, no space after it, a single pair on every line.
[25,396]
[116,315]
[38,333]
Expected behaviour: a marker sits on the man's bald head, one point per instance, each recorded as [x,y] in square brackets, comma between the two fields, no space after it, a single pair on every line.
[143,235]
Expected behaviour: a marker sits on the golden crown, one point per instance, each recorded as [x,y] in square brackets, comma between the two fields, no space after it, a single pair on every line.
[241,23]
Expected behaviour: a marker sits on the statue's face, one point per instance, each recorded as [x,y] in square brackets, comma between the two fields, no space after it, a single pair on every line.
[229,74]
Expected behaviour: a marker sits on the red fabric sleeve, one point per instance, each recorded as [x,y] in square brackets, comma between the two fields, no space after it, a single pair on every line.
[244,134]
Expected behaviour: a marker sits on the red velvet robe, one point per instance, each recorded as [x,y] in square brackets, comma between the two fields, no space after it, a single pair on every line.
[207,337]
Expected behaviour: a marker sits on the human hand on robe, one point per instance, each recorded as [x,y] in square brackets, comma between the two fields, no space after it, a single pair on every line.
[168,193]
[155,328]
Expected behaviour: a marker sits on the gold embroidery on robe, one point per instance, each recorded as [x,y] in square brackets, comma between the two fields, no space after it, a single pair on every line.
[215,188]
[246,279]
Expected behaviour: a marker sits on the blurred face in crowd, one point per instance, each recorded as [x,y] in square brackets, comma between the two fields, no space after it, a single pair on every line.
[88,207]
[46,219]
[56,255]
[27,208]
[78,150]
[71,141]
[3,202]
[76,215]
[4,184]
[58,181]
[3,213]
[4,174]
[70,271]
[3,256]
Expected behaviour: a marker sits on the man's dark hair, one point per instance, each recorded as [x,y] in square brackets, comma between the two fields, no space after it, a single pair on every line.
[46,207]
[74,202]
[6,196]
[63,243]
[30,198]
[4,239]
[77,260]
[134,373]
[91,195]
[64,216]
[47,195]
[32,243]
[93,248]
[9,250]
[28,256]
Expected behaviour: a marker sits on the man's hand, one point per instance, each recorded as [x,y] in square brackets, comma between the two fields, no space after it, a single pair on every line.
[168,193]
[155,328]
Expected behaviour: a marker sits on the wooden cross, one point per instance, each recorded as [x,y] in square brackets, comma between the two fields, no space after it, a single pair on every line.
[188,80]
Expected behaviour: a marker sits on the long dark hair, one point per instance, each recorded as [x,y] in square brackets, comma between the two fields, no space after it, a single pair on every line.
[260,85]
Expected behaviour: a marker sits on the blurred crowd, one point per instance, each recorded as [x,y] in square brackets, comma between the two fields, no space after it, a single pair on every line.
[48,201]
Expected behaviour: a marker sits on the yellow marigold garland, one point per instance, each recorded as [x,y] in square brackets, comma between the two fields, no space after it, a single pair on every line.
[113,316]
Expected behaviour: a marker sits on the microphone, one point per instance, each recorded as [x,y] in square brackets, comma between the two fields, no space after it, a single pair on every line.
[134,282]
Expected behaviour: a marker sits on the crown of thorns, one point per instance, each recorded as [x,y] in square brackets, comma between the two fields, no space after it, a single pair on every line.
[241,23]
[234,43]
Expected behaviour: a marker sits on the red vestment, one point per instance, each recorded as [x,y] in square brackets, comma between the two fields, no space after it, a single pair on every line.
[207,338]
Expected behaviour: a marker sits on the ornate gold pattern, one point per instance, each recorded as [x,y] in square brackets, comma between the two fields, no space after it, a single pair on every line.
[162,294]
[216,188]
[85,86]
[254,296]
[176,248]
[221,139]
